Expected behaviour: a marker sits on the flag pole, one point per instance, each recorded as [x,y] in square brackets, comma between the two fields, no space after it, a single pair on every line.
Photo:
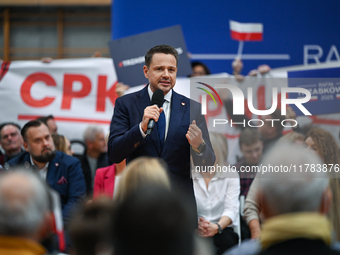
[240,49]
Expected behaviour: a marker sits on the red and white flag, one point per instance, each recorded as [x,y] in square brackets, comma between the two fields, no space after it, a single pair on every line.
[246,31]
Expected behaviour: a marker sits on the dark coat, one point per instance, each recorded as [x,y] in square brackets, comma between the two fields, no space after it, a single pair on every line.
[64,175]
[126,140]
[102,161]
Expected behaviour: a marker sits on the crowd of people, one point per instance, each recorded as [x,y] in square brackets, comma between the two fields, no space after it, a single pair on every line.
[138,193]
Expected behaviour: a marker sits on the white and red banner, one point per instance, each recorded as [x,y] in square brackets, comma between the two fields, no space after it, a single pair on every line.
[76,91]
[246,31]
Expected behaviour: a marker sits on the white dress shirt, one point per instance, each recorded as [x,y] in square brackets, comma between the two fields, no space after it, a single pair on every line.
[221,198]
[166,108]
[43,171]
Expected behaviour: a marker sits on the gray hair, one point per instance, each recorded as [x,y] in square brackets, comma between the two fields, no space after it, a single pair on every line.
[24,201]
[9,124]
[91,131]
[294,191]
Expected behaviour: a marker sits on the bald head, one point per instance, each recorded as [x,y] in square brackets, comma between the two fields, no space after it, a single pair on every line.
[24,204]
[303,190]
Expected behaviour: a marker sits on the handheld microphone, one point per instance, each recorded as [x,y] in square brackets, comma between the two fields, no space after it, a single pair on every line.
[158,99]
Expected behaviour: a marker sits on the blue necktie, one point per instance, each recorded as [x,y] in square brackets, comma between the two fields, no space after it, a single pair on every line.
[161,128]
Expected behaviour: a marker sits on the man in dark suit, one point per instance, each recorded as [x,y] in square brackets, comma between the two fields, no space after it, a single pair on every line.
[185,128]
[94,156]
[62,172]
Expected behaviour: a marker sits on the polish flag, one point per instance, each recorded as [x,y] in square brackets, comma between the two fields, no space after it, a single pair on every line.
[246,31]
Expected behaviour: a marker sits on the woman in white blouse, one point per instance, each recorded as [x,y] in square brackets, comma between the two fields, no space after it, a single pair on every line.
[217,196]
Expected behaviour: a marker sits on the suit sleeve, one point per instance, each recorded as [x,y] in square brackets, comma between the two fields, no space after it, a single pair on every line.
[123,139]
[76,191]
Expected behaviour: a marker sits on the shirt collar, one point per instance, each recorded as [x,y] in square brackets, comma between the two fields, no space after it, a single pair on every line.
[44,168]
[167,97]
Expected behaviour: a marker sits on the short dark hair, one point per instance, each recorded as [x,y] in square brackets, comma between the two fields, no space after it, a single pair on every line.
[32,123]
[91,226]
[249,136]
[8,123]
[45,118]
[152,221]
[198,63]
[166,49]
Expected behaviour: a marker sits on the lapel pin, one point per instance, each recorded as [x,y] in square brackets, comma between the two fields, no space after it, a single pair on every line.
[183,103]
[56,164]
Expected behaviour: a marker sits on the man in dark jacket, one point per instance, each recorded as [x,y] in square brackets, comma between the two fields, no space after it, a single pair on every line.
[94,156]
[10,141]
[62,172]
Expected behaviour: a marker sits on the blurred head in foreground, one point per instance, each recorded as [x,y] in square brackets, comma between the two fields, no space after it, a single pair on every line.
[91,228]
[142,172]
[293,193]
[299,190]
[24,206]
[152,221]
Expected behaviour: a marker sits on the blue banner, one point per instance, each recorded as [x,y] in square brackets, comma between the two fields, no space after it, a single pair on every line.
[294,32]
[324,86]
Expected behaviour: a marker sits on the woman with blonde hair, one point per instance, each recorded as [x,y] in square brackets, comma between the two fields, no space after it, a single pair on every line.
[217,196]
[61,143]
[143,171]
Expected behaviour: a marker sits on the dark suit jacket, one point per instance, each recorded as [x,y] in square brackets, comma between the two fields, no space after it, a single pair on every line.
[102,161]
[4,157]
[126,140]
[71,188]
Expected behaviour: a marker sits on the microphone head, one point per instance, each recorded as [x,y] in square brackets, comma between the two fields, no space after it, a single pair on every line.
[158,98]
